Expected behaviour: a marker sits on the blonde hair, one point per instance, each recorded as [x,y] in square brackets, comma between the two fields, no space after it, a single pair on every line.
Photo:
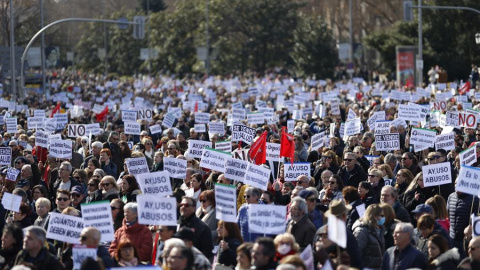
[288,237]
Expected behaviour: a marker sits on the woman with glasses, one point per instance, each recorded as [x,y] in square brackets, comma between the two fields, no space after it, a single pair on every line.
[84,149]
[369,232]
[93,190]
[129,189]
[149,150]
[116,206]
[206,212]
[403,179]
[415,194]
[109,188]
[375,178]
[197,185]
[328,161]
[333,191]
[38,191]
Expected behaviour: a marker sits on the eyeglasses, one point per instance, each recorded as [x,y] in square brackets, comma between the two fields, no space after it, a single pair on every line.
[327,157]
[63,199]
[246,196]
[75,195]
[203,201]
[332,182]
[91,185]
[185,205]
[105,184]
[113,208]
[348,159]
[404,158]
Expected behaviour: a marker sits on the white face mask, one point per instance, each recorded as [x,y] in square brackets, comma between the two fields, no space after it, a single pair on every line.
[284,249]
[208,208]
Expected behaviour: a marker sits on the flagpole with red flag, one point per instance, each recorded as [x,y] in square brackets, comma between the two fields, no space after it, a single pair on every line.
[464,88]
[102,115]
[287,145]
[55,110]
[258,150]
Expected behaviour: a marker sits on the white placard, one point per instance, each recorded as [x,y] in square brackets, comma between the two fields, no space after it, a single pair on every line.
[77,130]
[11,202]
[62,119]
[11,123]
[382,127]
[12,174]
[467,119]
[155,183]
[437,174]
[168,120]
[80,253]
[129,116]
[155,129]
[360,210]
[35,122]
[445,141]
[145,114]
[226,202]
[238,114]
[351,114]
[468,156]
[99,215]
[65,228]
[337,231]
[264,218]
[257,176]
[225,146]
[200,128]
[177,168]
[318,140]
[214,159]
[202,118]
[290,126]
[451,119]
[136,166]
[256,118]
[132,128]
[236,169]
[39,113]
[243,133]
[410,113]
[292,172]
[468,180]
[273,151]
[155,210]
[387,142]
[61,149]
[422,137]
[353,127]
[307,257]
[216,127]
[5,156]
[195,148]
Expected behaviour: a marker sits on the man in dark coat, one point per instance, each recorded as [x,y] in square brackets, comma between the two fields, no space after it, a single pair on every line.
[351,173]
[300,225]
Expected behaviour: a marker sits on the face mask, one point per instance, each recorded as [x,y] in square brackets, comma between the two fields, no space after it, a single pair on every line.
[284,249]
[381,221]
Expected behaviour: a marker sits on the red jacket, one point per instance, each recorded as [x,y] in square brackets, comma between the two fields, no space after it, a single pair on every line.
[139,235]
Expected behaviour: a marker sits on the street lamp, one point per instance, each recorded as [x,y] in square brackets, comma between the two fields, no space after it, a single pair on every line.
[477,38]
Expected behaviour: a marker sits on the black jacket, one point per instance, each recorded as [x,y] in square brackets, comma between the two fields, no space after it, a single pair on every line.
[354,177]
[44,260]
[459,206]
[203,235]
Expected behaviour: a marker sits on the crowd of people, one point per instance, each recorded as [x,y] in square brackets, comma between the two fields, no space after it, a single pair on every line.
[391,219]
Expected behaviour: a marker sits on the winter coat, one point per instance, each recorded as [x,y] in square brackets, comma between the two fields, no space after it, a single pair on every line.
[370,243]
[303,231]
[203,236]
[459,206]
[407,258]
[44,260]
[139,235]
[210,219]
[446,261]
[229,256]
[354,177]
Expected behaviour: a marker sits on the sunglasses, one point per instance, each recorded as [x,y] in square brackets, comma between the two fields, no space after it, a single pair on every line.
[75,195]
[91,185]
[105,184]
[114,208]
[247,196]
[63,199]
[185,205]
[332,182]
[348,159]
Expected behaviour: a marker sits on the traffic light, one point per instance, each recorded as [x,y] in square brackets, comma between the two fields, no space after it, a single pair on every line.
[407,11]
[139,27]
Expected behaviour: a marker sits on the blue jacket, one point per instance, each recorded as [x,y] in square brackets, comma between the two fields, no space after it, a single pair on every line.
[408,258]
[242,221]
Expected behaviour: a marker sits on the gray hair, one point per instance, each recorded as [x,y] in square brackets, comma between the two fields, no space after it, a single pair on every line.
[330,173]
[39,232]
[171,243]
[97,144]
[20,192]
[99,171]
[392,191]
[286,266]
[302,204]
[44,202]
[131,206]
[390,158]
[405,227]
[254,191]
[314,190]
[68,165]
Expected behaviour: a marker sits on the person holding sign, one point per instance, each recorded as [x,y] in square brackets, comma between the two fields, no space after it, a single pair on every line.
[129,189]
[251,195]
[230,236]
[206,212]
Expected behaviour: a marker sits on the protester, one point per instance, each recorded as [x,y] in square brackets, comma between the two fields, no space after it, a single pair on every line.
[12,241]
[230,240]
[34,253]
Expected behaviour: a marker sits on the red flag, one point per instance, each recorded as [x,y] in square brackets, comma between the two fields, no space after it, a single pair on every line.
[258,150]
[196,106]
[57,109]
[102,115]
[464,88]
[287,145]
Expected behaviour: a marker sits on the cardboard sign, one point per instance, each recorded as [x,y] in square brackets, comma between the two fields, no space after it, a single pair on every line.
[243,133]
[445,141]
[155,129]
[410,113]
[353,127]
[145,114]
[61,149]
[451,119]
[437,174]
[257,176]
[35,122]
[387,142]
[129,116]
[11,125]
[226,202]
[273,151]
[195,148]
[11,202]
[422,137]
[12,174]
[5,156]
[238,114]
[99,215]
[200,128]
[155,183]
[80,253]
[318,140]
[177,168]
[214,159]
[168,120]
[264,218]
[256,118]
[292,172]
[236,169]
[216,127]
[132,128]
[468,156]
[136,166]
[225,146]
[202,118]
[382,127]
[467,181]
[65,228]
[155,210]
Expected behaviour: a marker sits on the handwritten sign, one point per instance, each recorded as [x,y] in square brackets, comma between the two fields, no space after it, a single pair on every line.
[468,180]
[98,215]
[65,228]
[155,210]
[292,172]
[226,202]
[243,133]
[267,218]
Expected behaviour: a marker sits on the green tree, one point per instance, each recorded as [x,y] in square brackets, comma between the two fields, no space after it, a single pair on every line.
[155,5]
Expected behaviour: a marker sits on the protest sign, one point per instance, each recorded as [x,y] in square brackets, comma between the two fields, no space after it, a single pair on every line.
[177,168]
[76,130]
[226,202]
[216,127]
[145,114]
[168,120]
[307,257]
[337,231]
[411,113]
[136,166]
[65,228]
[11,125]
[263,218]
[39,113]
[243,133]
[155,183]
[437,174]
[318,140]
[200,128]
[61,148]
[132,128]
[468,180]
[255,118]
[238,114]
[292,172]
[475,225]
[257,176]
[98,215]
[155,129]
[195,148]
[290,125]
[335,107]
[351,114]
[5,156]
[422,137]
[382,127]
[467,119]
[214,159]
[353,127]
[468,156]
[35,122]
[11,202]
[12,174]
[155,210]
[61,119]
[273,151]
[80,253]
[445,141]
[225,146]
[202,118]
[93,129]
[236,169]
[439,105]
[129,116]
[451,119]
[387,142]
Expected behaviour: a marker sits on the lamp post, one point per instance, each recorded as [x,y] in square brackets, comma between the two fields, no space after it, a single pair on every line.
[477,38]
